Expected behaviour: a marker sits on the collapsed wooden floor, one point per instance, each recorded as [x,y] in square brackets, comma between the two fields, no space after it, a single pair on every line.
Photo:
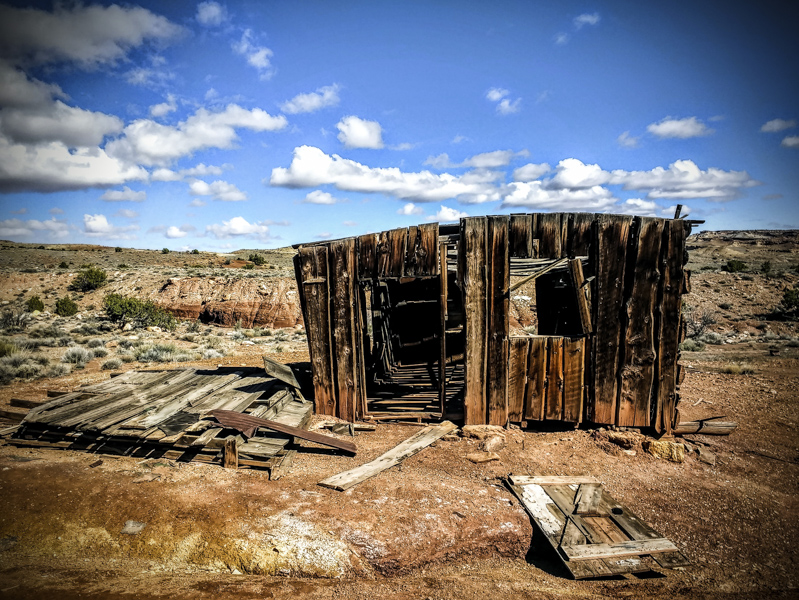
[155,414]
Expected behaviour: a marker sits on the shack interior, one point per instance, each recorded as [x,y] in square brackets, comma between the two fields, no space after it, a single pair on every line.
[415,322]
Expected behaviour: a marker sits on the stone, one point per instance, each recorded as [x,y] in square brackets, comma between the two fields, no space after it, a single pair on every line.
[154,328]
[493,443]
[482,457]
[706,456]
[128,327]
[670,451]
[450,438]
[481,432]
[133,527]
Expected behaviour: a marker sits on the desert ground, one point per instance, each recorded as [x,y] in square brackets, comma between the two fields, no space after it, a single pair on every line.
[437,526]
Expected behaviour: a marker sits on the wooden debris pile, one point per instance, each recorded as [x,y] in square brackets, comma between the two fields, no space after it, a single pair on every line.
[169,413]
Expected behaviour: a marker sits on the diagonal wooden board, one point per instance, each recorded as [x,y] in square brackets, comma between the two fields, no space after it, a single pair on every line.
[419,441]
[612,542]
[242,422]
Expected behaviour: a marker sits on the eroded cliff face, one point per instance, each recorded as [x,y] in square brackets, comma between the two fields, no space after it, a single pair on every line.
[269,302]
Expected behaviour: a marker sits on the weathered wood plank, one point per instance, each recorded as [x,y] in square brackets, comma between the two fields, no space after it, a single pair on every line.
[520,236]
[230,454]
[519,348]
[630,548]
[573,379]
[637,353]
[422,251]
[367,256]
[22,403]
[554,408]
[579,234]
[671,269]
[498,279]
[608,253]
[443,282]
[535,398]
[587,498]
[313,262]
[583,294]
[281,372]
[550,235]
[419,441]
[473,256]
[341,273]
[553,479]
[391,253]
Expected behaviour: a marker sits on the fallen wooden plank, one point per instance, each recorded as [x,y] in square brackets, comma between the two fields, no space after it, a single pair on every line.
[552,479]
[587,498]
[419,441]
[630,548]
[13,415]
[706,427]
[280,371]
[21,403]
[245,423]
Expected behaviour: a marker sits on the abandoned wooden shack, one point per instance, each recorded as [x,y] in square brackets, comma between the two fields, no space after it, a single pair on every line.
[415,322]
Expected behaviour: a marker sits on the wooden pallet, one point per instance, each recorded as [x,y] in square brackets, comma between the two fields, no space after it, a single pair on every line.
[168,414]
[592,534]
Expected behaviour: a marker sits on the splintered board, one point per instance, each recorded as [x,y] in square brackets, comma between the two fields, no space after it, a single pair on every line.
[592,534]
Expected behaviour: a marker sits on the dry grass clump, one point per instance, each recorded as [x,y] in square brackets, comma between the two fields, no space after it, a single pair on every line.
[737,369]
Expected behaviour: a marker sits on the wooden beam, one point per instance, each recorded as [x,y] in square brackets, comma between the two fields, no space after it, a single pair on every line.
[520,236]
[583,292]
[472,258]
[553,479]
[498,324]
[518,350]
[573,379]
[630,548]
[419,441]
[442,305]
[343,306]
[535,398]
[554,410]
[230,453]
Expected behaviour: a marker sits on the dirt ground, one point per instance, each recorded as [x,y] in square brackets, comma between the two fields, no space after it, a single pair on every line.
[437,526]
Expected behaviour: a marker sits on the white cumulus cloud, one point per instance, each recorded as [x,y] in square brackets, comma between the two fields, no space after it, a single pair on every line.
[496,94]
[124,195]
[164,108]
[485,160]
[147,142]
[257,56]
[791,141]
[447,215]
[586,19]
[319,197]
[173,232]
[360,133]
[689,127]
[99,226]
[211,14]
[313,101]
[777,125]
[534,194]
[625,140]
[219,190]
[531,171]
[410,209]
[15,228]
[239,227]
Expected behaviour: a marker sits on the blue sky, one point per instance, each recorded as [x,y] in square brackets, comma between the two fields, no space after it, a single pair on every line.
[261,124]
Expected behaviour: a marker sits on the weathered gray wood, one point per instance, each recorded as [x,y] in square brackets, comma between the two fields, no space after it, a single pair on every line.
[419,441]
[637,353]
[473,256]
[313,263]
[579,234]
[391,253]
[22,403]
[520,236]
[498,280]
[550,235]
[367,256]
[443,284]
[421,258]
[281,372]
[13,415]
[535,398]
[630,548]
[554,409]
[573,379]
[519,348]
[341,273]
[553,479]
[705,427]
[608,252]
[583,294]
[587,497]
[671,269]
[230,454]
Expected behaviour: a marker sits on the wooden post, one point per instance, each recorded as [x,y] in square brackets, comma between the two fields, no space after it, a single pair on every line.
[554,409]
[472,259]
[498,280]
[519,348]
[535,398]
[582,291]
[442,361]
[573,379]
[520,236]
[230,453]
[343,305]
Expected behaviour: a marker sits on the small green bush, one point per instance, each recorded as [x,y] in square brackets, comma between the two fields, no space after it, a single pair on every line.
[111,364]
[248,266]
[139,313]
[195,251]
[766,267]
[725,306]
[7,348]
[161,353]
[735,266]
[34,303]
[65,307]
[737,369]
[100,352]
[88,280]
[14,319]
[164,250]
[95,343]
[76,355]
[117,249]
[692,346]
[257,259]
[63,265]
[123,266]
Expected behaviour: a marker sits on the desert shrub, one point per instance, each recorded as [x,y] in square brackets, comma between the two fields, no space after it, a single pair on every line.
[7,348]
[712,338]
[195,251]
[735,266]
[697,322]
[14,319]
[57,370]
[76,355]
[95,343]
[164,250]
[692,346]
[210,353]
[100,352]
[737,369]
[63,265]
[793,343]
[89,279]
[139,313]
[213,341]
[127,358]
[21,365]
[279,349]
[257,259]
[193,327]
[117,249]
[123,266]
[765,268]
[789,306]
[248,266]
[34,303]
[161,353]
[111,364]
[725,306]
